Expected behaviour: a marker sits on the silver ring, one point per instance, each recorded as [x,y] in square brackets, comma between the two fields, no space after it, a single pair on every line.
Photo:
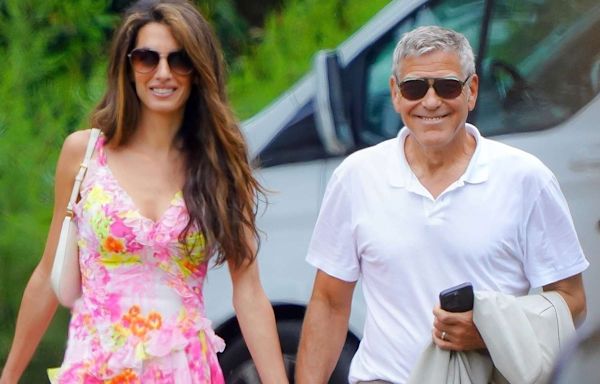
[444,335]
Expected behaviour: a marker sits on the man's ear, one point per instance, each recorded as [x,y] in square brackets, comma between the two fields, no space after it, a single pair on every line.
[394,93]
[473,91]
[393,87]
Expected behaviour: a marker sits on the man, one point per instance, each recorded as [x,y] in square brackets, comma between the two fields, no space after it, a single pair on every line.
[432,208]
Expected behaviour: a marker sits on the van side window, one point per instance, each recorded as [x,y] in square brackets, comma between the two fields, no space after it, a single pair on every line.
[541,64]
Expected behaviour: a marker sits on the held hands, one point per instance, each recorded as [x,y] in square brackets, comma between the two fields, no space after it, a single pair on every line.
[455,331]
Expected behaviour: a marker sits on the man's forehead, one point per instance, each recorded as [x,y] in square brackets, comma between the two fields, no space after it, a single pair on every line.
[433,64]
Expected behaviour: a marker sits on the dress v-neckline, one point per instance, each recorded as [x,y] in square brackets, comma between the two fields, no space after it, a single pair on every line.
[135,206]
[102,160]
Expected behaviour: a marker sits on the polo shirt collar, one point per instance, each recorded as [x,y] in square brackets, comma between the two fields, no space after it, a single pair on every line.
[401,175]
[478,170]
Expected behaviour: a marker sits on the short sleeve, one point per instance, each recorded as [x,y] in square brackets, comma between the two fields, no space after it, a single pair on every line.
[553,251]
[332,247]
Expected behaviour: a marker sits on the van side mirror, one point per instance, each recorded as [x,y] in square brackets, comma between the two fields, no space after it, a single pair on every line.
[330,109]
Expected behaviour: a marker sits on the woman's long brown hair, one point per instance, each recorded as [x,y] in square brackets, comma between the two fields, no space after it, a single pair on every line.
[220,190]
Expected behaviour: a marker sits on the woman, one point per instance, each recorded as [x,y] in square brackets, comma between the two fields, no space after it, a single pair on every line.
[168,187]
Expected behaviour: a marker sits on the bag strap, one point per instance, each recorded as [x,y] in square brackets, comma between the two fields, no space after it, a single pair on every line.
[94,134]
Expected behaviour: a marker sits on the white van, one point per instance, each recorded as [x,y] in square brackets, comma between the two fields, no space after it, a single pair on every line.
[539,65]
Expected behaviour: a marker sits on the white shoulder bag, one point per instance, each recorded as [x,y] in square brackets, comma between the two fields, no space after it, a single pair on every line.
[66,276]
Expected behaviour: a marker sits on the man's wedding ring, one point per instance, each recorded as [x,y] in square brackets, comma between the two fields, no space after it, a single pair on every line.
[444,335]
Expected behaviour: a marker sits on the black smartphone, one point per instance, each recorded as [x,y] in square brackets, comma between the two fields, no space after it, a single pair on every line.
[458,298]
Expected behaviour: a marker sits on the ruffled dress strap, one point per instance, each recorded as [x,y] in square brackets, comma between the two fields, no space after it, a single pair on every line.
[99,150]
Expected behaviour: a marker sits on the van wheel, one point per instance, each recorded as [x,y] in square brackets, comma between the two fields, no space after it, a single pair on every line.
[238,367]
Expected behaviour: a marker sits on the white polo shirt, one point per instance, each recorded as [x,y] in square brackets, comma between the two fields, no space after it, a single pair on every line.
[504,226]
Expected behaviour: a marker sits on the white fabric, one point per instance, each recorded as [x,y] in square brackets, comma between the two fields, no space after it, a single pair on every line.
[523,337]
[504,226]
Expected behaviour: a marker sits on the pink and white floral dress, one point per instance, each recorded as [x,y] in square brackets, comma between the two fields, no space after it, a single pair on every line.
[141,316]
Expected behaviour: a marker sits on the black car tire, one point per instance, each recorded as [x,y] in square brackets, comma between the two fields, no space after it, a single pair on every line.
[238,367]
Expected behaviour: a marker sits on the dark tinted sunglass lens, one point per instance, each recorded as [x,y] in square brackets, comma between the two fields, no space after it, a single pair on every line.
[144,60]
[180,63]
[447,88]
[414,89]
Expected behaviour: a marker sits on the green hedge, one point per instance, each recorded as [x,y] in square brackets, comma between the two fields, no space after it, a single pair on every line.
[49,81]
[290,41]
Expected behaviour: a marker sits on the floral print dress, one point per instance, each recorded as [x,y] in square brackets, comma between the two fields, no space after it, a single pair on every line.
[141,315]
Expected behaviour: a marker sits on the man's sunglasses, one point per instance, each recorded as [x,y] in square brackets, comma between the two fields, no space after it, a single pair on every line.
[146,60]
[416,89]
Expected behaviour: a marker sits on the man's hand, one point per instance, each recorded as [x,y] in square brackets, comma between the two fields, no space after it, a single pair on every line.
[455,331]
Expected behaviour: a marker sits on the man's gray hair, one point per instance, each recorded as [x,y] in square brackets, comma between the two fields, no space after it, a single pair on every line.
[423,40]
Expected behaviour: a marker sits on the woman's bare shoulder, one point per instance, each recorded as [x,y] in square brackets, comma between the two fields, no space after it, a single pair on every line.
[75,144]
[72,153]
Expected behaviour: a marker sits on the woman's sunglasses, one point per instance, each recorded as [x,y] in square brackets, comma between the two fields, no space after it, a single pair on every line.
[416,89]
[146,60]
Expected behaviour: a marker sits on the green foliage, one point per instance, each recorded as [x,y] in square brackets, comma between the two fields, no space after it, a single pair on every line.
[47,86]
[291,39]
[229,25]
